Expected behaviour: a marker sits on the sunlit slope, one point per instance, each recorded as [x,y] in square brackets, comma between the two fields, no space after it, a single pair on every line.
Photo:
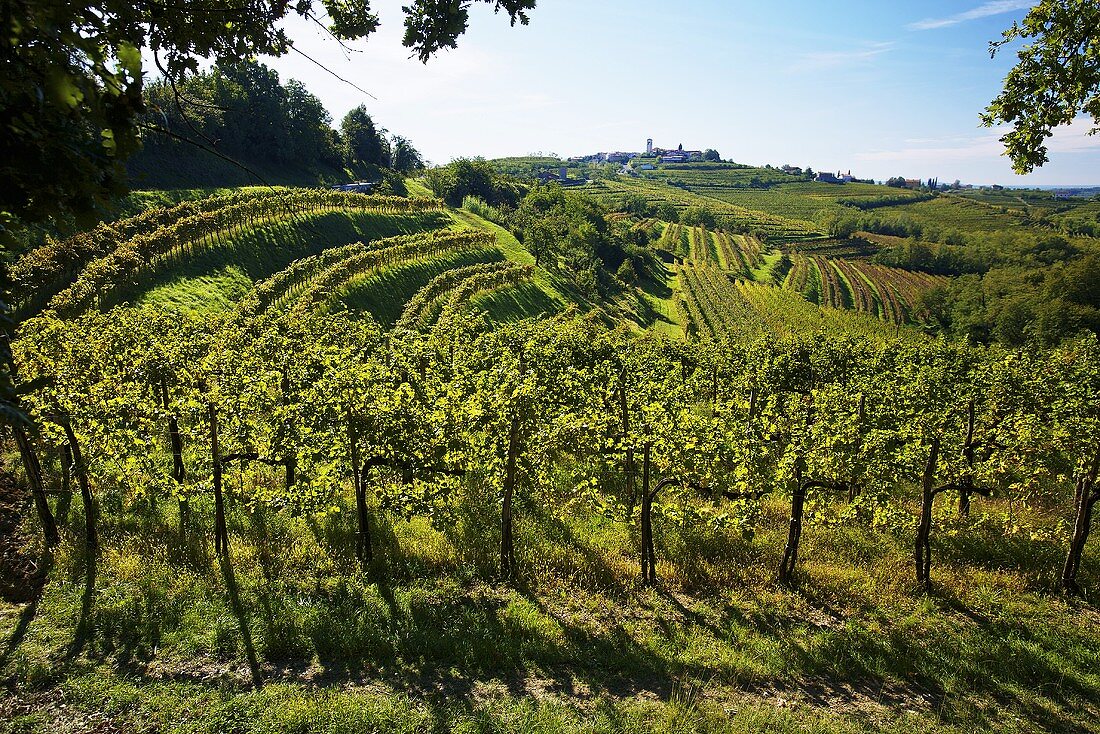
[214,253]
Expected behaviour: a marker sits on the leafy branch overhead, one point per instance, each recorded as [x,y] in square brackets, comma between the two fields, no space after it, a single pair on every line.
[72,88]
[431,25]
[1056,78]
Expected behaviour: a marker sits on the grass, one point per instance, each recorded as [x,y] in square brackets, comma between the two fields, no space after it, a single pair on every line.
[763,273]
[219,276]
[384,295]
[427,641]
[158,635]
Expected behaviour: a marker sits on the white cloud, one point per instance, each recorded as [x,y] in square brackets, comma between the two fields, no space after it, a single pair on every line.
[1073,138]
[834,59]
[985,10]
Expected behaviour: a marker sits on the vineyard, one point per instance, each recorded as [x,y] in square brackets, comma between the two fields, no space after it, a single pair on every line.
[713,260]
[405,456]
[950,212]
[891,294]
[729,216]
[80,273]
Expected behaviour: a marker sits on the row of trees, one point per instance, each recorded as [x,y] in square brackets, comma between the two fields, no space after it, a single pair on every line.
[242,111]
[639,428]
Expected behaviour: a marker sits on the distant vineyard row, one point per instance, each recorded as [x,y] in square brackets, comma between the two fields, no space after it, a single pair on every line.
[891,294]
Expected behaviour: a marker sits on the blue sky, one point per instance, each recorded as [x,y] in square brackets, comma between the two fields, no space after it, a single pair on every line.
[881,88]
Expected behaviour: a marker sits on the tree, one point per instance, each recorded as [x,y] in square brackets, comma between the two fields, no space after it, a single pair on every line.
[711,155]
[1056,78]
[242,110]
[404,157]
[471,177]
[365,143]
[626,272]
[72,94]
[698,216]
[667,212]
[635,204]
[434,24]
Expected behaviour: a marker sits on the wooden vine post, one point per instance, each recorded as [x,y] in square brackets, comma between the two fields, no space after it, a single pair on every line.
[91,508]
[38,492]
[221,532]
[1086,496]
[507,546]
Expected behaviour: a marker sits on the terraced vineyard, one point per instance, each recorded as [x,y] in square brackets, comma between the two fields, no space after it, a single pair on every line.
[709,304]
[299,251]
[784,313]
[445,296]
[777,195]
[891,294]
[736,253]
[729,216]
[314,281]
[717,175]
[85,271]
[948,212]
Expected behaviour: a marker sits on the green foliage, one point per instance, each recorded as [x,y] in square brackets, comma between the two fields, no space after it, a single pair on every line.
[365,144]
[431,26]
[1056,77]
[566,229]
[472,177]
[1017,305]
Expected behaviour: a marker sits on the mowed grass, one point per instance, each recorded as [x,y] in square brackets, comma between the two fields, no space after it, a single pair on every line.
[216,279]
[425,640]
[384,294]
[221,275]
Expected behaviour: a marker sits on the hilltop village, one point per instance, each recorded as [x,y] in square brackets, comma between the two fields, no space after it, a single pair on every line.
[634,162]
[663,155]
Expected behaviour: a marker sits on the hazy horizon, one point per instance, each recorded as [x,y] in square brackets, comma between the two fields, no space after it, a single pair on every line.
[880,89]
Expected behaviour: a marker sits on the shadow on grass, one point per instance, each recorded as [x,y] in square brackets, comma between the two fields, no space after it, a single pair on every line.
[428,624]
[84,626]
[654,288]
[521,301]
[27,616]
[239,612]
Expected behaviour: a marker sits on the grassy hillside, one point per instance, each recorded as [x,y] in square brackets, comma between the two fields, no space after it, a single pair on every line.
[290,631]
[426,642]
